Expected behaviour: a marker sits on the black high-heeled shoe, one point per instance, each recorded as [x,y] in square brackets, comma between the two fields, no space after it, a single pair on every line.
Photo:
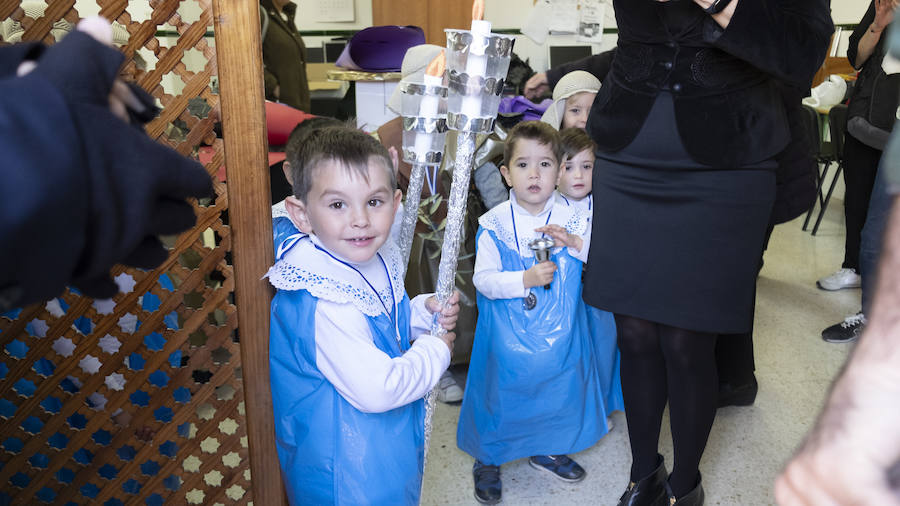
[693,498]
[648,491]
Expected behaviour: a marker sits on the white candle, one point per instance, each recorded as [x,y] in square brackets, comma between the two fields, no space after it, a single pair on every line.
[476,65]
[428,108]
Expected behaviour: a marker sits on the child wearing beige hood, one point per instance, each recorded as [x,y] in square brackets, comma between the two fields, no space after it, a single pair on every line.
[572,99]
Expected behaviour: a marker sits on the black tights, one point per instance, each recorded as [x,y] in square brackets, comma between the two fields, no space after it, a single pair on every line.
[660,363]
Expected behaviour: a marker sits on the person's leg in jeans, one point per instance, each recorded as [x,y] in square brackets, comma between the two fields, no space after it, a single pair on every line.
[870,245]
[869,251]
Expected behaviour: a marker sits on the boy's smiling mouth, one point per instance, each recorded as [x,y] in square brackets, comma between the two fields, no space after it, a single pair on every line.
[360,241]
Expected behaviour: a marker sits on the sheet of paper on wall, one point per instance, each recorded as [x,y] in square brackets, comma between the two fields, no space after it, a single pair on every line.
[331,11]
[890,65]
[564,16]
[591,14]
[537,25]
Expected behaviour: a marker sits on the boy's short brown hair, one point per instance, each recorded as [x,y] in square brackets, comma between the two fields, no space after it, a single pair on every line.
[535,131]
[574,141]
[351,148]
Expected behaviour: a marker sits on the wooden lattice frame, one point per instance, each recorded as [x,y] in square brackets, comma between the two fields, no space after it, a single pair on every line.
[195,406]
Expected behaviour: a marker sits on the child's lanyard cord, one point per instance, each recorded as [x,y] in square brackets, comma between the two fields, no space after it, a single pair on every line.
[431,176]
[590,200]
[395,319]
[516,234]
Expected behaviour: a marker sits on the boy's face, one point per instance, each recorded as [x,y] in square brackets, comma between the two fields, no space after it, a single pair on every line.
[532,173]
[577,108]
[575,176]
[352,217]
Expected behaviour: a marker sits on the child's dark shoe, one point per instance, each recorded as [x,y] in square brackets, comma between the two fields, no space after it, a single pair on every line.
[488,487]
[561,466]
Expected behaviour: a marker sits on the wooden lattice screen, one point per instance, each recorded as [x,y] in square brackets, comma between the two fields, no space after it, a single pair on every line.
[154,397]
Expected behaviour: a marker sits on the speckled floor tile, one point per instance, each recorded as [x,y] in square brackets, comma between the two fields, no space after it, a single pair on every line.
[748,445]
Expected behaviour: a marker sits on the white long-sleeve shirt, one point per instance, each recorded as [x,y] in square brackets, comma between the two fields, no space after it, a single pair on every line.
[346,355]
[489,277]
[367,377]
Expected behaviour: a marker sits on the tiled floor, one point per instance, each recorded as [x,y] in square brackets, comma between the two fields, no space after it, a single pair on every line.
[748,445]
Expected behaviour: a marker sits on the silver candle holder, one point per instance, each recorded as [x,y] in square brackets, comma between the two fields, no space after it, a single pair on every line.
[423,108]
[477,63]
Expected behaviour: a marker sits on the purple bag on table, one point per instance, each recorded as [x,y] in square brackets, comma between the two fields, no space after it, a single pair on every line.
[380,48]
[519,104]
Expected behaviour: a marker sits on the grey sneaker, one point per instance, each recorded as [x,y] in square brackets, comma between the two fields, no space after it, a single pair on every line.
[843,278]
[847,331]
[448,390]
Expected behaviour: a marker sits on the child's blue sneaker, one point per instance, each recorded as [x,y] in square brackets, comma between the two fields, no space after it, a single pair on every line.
[488,488]
[561,466]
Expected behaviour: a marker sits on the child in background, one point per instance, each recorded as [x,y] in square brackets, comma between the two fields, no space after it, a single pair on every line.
[533,389]
[347,385]
[572,99]
[574,189]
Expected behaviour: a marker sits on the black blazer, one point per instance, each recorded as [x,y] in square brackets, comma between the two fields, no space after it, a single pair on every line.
[729,111]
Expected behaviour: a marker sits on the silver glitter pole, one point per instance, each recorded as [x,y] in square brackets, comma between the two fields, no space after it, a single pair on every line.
[410,213]
[456,215]
[477,63]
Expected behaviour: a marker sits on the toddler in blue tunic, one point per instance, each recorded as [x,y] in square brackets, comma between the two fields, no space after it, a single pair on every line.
[347,384]
[532,387]
[574,189]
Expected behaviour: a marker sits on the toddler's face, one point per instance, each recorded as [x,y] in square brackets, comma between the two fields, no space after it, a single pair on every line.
[577,108]
[532,174]
[351,215]
[575,176]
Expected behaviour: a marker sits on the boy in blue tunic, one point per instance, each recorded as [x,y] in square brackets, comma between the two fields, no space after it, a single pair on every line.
[347,385]
[574,189]
[532,389]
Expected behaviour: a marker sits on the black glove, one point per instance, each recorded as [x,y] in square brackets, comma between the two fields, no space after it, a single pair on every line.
[136,186]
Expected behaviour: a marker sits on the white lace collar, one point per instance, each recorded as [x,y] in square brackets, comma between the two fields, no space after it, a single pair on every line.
[584,203]
[279,210]
[305,267]
[499,221]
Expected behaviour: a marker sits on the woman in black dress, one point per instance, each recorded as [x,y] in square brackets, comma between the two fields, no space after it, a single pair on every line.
[688,123]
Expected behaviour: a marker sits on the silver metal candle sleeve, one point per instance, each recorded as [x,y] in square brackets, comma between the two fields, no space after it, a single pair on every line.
[541,248]
[476,66]
[424,111]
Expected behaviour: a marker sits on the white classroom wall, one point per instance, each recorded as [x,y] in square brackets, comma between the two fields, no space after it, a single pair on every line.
[504,14]
[513,13]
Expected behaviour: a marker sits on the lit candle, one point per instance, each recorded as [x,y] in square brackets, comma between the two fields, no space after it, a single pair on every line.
[476,61]
[428,107]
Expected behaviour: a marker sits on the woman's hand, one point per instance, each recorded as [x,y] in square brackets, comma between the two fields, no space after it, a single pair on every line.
[884,14]
[537,86]
[561,237]
[722,18]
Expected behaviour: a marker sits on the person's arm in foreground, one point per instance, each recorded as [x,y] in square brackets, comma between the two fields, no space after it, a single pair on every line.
[858,432]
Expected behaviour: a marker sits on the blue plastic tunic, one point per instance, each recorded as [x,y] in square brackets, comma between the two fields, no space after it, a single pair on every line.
[532,387]
[331,452]
[602,326]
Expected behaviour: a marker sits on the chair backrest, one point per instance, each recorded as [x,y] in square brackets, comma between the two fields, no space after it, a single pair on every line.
[837,122]
[813,130]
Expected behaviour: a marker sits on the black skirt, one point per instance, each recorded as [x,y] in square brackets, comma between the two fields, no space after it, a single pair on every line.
[674,241]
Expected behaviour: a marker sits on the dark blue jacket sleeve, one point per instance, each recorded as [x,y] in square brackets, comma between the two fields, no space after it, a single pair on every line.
[43,190]
[785,38]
